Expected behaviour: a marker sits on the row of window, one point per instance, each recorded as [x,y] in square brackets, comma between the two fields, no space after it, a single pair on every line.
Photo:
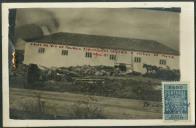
[138,60]
[89,55]
[112,57]
[63,52]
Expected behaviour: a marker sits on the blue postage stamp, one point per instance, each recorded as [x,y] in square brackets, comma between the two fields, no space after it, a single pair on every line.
[175,101]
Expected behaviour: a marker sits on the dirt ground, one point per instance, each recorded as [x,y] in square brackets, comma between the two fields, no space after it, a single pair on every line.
[32,104]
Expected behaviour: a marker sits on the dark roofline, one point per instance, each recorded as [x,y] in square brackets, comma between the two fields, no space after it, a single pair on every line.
[172,9]
[109,42]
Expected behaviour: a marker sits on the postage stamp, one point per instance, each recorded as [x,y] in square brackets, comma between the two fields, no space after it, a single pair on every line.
[175,101]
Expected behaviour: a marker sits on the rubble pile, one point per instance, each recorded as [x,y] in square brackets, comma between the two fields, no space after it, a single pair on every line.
[87,70]
[68,73]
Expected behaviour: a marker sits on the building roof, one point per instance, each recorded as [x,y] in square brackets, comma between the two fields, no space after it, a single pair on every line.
[109,42]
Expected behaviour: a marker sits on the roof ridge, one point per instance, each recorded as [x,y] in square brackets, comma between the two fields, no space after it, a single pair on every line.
[109,36]
[103,41]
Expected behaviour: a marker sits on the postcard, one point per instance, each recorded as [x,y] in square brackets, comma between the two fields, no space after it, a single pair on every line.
[98,64]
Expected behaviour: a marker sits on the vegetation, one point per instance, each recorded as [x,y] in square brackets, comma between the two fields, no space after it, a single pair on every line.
[161,73]
[86,110]
[99,81]
[119,88]
[36,109]
[33,74]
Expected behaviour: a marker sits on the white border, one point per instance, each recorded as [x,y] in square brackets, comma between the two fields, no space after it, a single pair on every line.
[186,61]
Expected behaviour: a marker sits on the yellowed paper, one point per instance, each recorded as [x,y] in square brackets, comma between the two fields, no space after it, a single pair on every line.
[98,64]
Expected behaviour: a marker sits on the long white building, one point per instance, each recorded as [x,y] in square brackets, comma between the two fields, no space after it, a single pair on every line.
[71,49]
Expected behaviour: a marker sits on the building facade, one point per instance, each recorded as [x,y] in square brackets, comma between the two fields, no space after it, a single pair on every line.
[64,53]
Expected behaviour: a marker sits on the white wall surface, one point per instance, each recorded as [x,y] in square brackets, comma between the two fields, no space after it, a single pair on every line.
[76,57]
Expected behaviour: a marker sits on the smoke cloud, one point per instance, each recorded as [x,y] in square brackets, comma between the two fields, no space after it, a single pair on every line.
[43,18]
[156,25]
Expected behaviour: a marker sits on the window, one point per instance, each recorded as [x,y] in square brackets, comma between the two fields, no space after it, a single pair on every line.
[41,50]
[137,59]
[88,55]
[162,62]
[64,52]
[112,57]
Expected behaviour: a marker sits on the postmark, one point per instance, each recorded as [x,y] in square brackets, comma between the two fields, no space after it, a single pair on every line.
[175,101]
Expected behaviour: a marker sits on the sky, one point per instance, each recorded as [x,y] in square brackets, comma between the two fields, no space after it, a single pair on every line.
[162,26]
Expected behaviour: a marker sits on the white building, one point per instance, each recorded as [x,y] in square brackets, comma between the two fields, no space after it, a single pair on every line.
[69,49]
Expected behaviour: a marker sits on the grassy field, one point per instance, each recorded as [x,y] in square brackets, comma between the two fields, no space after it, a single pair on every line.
[32,104]
[136,87]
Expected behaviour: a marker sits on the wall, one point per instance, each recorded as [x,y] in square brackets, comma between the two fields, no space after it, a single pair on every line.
[172,61]
[76,57]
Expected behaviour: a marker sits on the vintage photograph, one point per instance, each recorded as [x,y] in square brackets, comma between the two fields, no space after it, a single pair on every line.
[91,63]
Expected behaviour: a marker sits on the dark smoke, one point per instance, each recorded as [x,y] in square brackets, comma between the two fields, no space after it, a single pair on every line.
[40,17]
[123,22]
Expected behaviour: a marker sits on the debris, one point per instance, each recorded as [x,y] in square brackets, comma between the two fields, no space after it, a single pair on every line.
[69,73]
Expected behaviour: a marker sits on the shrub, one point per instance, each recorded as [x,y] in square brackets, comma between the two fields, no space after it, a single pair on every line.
[33,73]
[166,74]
